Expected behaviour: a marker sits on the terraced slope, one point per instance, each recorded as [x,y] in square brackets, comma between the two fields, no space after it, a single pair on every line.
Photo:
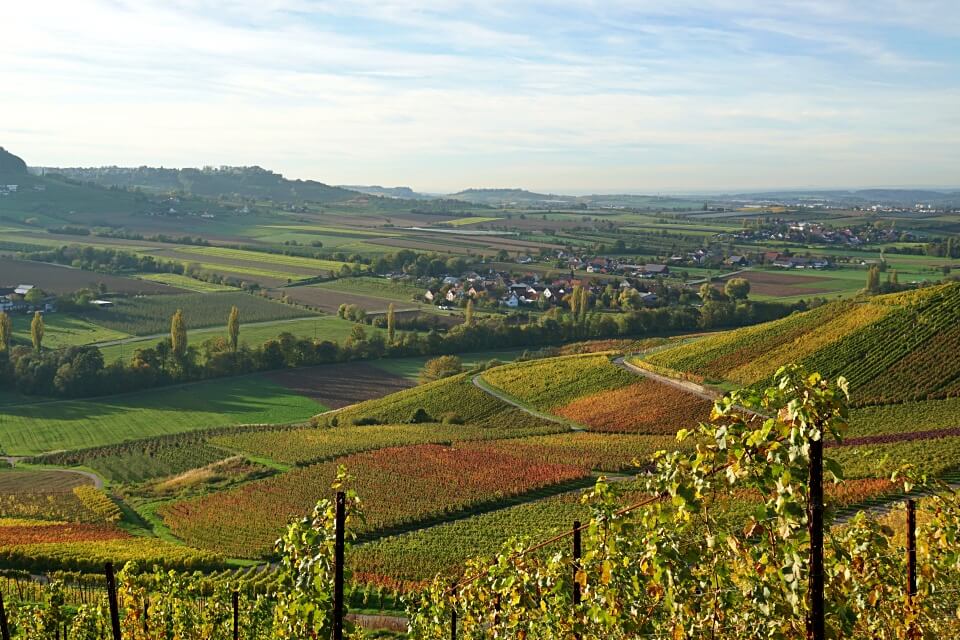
[894,348]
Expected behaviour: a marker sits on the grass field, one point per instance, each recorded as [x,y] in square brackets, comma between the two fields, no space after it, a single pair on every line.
[151,315]
[317,327]
[64,330]
[374,287]
[37,428]
[265,258]
[185,282]
[462,222]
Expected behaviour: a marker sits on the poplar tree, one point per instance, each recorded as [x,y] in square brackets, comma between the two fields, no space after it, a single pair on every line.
[36,330]
[391,323]
[575,301]
[178,335]
[584,302]
[469,313]
[233,328]
[6,331]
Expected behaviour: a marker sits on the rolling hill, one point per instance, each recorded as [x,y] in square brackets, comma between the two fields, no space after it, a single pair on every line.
[249,182]
[893,348]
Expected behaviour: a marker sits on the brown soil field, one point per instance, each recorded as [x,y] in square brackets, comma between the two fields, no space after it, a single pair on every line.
[54,278]
[329,301]
[783,284]
[41,481]
[339,385]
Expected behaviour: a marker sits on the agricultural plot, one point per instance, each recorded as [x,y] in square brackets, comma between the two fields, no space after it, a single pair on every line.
[59,279]
[310,445]
[453,399]
[339,385]
[63,330]
[90,555]
[185,282]
[890,348]
[35,428]
[643,407]
[405,561]
[607,452]
[146,461]
[553,382]
[401,487]
[255,334]
[375,288]
[935,458]
[905,417]
[308,265]
[329,300]
[151,315]
[58,496]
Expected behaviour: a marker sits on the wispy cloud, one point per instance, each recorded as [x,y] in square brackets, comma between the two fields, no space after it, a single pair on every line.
[636,94]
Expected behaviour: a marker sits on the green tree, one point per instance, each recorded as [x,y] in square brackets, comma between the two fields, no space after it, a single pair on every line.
[469,313]
[737,288]
[391,324]
[178,335]
[584,305]
[442,367]
[575,301]
[36,330]
[233,328]
[34,296]
[6,331]
[873,278]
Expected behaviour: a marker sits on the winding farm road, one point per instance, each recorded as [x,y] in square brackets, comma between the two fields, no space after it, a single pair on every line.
[684,385]
[479,383]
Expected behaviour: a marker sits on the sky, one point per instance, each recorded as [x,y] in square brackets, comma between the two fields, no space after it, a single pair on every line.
[571,96]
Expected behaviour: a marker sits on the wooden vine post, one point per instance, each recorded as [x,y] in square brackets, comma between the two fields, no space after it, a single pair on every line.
[815,585]
[338,553]
[911,548]
[577,553]
[112,596]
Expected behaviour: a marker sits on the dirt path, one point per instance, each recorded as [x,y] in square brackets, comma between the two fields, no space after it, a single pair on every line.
[479,383]
[685,385]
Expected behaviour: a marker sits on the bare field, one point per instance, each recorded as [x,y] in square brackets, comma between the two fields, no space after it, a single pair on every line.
[329,301]
[339,385]
[784,284]
[59,279]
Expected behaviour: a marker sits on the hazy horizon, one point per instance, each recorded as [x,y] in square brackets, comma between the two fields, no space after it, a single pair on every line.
[719,96]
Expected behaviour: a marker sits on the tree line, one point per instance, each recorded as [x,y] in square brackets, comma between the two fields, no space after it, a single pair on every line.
[81,371]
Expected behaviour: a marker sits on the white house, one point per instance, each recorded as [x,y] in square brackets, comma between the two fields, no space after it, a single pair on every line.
[23,289]
[512,301]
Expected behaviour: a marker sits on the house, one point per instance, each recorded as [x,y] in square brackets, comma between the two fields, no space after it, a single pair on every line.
[6,304]
[511,301]
[736,261]
[451,280]
[23,289]
[430,295]
[652,270]
[648,297]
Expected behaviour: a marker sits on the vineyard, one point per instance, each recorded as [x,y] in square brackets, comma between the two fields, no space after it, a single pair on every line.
[890,348]
[453,399]
[151,315]
[643,407]
[406,485]
[406,561]
[154,461]
[310,445]
[553,382]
